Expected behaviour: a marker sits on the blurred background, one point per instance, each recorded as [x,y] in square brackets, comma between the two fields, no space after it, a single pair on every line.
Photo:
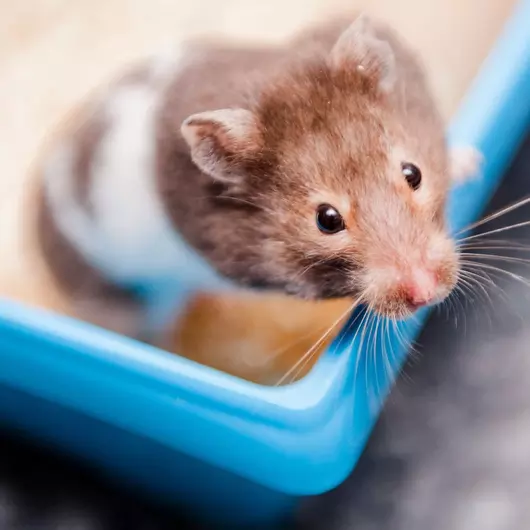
[452,448]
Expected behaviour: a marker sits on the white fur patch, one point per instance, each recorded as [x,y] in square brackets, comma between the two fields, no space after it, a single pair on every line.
[466,163]
[135,236]
[127,236]
[439,246]
[70,218]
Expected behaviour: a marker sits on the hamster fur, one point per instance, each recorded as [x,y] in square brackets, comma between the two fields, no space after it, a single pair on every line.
[207,171]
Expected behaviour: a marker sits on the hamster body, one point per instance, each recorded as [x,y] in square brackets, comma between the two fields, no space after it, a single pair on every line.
[318,169]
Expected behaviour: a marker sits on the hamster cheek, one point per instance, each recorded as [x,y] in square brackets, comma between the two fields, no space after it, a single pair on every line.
[378,282]
[443,250]
[440,248]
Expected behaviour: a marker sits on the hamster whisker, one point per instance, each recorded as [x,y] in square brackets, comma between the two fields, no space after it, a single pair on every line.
[488,277]
[297,368]
[500,290]
[283,349]
[472,280]
[291,344]
[375,338]
[397,332]
[453,304]
[389,359]
[385,329]
[478,248]
[465,289]
[467,276]
[405,343]
[309,357]
[461,304]
[458,300]
[351,324]
[479,278]
[482,276]
[360,330]
[234,199]
[293,373]
[449,306]
[496,257]
[320,262]
[486,266]
[381,339]
[309,267]
[369,336]
[413,352]
[494,243]
[496,231]
[495,215]
[394,369]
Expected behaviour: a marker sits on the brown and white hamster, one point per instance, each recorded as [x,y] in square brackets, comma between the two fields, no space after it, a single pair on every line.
[318,169]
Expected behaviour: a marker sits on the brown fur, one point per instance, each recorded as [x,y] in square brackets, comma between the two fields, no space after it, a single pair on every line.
[323,130]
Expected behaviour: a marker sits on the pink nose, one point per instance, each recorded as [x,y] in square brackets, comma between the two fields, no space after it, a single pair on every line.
[416,301]
[421,289]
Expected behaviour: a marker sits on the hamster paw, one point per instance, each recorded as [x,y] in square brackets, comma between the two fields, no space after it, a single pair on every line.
[465,163]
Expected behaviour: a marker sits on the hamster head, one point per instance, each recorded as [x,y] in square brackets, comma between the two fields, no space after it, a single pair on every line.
[349,193]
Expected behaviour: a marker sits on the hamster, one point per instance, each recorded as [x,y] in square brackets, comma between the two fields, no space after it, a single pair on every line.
[318,169]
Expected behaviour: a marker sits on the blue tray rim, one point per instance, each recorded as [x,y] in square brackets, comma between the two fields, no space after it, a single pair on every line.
[493,117]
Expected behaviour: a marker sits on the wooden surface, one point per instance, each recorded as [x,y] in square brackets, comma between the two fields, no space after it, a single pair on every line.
[53,52]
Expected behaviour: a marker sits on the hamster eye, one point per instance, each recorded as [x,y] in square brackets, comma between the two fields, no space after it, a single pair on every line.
[329,220]
[412,174]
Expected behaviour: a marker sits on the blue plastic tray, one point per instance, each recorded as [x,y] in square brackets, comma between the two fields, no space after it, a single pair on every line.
[218,445]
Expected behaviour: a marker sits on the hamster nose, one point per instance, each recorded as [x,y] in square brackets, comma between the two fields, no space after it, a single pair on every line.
[420,290]
[417,300]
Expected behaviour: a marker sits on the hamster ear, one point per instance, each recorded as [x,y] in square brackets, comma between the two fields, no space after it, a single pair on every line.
[360,47]
[222,140]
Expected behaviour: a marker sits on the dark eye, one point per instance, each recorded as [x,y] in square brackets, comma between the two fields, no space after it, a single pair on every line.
[413,175]
[329,220]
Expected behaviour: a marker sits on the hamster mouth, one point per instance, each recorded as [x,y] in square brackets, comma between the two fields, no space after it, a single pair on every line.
[400,293]
[401,311]
[405,302]
[401,307]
